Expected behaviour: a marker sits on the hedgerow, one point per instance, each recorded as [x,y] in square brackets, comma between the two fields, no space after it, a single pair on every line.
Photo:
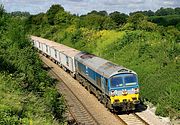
[28,95]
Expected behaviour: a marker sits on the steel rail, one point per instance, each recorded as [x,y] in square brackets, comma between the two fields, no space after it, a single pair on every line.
[142,120]
[55,74]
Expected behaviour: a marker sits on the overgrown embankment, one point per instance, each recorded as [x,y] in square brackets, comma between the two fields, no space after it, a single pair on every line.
[27,94]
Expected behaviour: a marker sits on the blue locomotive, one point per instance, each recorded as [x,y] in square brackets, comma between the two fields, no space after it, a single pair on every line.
[115,86]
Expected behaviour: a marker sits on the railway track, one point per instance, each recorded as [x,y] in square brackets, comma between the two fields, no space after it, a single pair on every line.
[131,119]
[79,114]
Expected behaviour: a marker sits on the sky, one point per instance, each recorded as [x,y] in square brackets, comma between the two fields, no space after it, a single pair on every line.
[84,6]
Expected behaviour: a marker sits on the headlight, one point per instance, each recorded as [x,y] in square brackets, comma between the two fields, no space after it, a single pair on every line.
[114,93]
[136,90]
[124,92]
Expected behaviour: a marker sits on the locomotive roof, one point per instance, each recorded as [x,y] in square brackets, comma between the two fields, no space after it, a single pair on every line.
[101,66]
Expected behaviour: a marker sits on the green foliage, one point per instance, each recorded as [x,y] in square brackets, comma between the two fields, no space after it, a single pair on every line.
[177,10]
[55,103]
[118,18]
[160,12]
[136,20]
[54,9]
[93,21]
[100,13]
[27,94]
[37,19]
[19,107]
[168,20]
[20,14]
[62,18]
[165,11]
[108,24]
[2,11]
[146,13]
[141,45]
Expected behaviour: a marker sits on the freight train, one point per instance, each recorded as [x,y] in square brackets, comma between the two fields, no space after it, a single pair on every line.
[115,86]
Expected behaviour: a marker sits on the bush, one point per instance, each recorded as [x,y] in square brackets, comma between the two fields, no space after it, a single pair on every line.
[24,84]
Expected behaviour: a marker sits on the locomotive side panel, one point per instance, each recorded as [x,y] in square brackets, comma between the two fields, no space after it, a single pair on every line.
[93,77]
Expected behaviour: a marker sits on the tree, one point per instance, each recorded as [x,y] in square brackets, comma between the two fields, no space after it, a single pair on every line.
[62,18]
[136,20]
[177,10]
[92,12]
[148,26]
[108,24]
[149,13]
[93,21]
[101,13]
[3,20]
[118,18]
[21,14]
[54,9]
[164,11]
[146,13]
[1,10]
[37,19]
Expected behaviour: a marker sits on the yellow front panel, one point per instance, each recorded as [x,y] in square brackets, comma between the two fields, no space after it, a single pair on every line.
[128,97]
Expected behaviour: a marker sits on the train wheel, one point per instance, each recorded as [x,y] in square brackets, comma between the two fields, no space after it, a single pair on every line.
[108,105]
[91,89]
[99,95]
[103,99]
[83,82]
[95,93]
[77,77]
[88,88]
[72,74]
[133,107]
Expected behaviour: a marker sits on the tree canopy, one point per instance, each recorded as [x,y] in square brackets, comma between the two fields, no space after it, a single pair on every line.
[54,9]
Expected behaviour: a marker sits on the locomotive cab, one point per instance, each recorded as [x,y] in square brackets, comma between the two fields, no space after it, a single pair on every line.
[124,91]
